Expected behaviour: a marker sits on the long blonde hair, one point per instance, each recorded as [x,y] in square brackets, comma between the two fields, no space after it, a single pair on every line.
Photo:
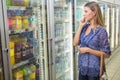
[96,8]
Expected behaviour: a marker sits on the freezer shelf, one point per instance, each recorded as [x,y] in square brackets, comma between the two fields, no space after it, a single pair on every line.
[16,8]
[63,5]
[32,60]
[59,36]
[20,31]
[61,2]
[59,19]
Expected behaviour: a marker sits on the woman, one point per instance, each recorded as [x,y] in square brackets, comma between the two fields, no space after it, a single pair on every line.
[92,40]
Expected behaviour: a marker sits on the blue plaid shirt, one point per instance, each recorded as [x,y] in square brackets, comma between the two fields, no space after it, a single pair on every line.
[88,63]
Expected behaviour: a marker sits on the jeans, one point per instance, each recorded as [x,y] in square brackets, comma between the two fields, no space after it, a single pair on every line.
[85,77]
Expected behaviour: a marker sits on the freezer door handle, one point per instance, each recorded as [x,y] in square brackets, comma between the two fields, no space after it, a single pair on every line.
[6,50]
[51,51]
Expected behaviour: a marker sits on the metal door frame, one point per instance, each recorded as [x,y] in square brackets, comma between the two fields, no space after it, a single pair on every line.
[75,56]
[5,40]
[50,22]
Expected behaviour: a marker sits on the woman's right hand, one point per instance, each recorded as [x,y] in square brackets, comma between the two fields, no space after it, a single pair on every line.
[82,22]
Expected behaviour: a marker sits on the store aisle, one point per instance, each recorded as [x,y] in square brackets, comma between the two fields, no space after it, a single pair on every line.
[113,66]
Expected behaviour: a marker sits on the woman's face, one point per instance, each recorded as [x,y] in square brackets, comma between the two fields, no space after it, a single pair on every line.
[88,14]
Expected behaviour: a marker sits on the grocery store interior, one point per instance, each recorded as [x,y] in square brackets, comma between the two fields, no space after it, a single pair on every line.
[36,38]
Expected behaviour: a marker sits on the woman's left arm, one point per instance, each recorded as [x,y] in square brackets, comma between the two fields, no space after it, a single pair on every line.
[92,51]
[98,53]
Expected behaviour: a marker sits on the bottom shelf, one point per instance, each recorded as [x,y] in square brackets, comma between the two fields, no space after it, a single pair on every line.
[27,72]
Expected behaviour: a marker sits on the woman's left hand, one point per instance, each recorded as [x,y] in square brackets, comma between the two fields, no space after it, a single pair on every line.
[83,50]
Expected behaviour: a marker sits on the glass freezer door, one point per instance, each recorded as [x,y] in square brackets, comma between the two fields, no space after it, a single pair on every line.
[26,39]
[63,39]
[3,49]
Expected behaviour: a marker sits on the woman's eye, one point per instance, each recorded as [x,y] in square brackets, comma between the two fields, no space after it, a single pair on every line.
[85,11]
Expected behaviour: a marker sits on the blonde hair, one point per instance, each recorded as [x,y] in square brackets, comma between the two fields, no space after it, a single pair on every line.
[96,8]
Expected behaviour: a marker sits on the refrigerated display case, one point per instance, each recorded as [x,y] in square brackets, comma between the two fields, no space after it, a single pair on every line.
[60,39]
[25,34]
[111,13]
[111,16]
[109,25]
[106,13]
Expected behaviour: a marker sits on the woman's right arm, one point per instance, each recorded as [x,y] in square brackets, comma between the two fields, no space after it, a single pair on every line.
[77,34]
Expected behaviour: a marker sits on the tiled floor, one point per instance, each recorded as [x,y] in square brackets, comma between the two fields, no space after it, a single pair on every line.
[113,66]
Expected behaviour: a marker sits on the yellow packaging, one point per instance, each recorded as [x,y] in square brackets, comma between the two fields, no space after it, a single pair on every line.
[26,2]
[25,22]
[32,76]
[12,52]
[11,45]
[12,60]
[18,23]
[32,67]
[18,74]
[12,57]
